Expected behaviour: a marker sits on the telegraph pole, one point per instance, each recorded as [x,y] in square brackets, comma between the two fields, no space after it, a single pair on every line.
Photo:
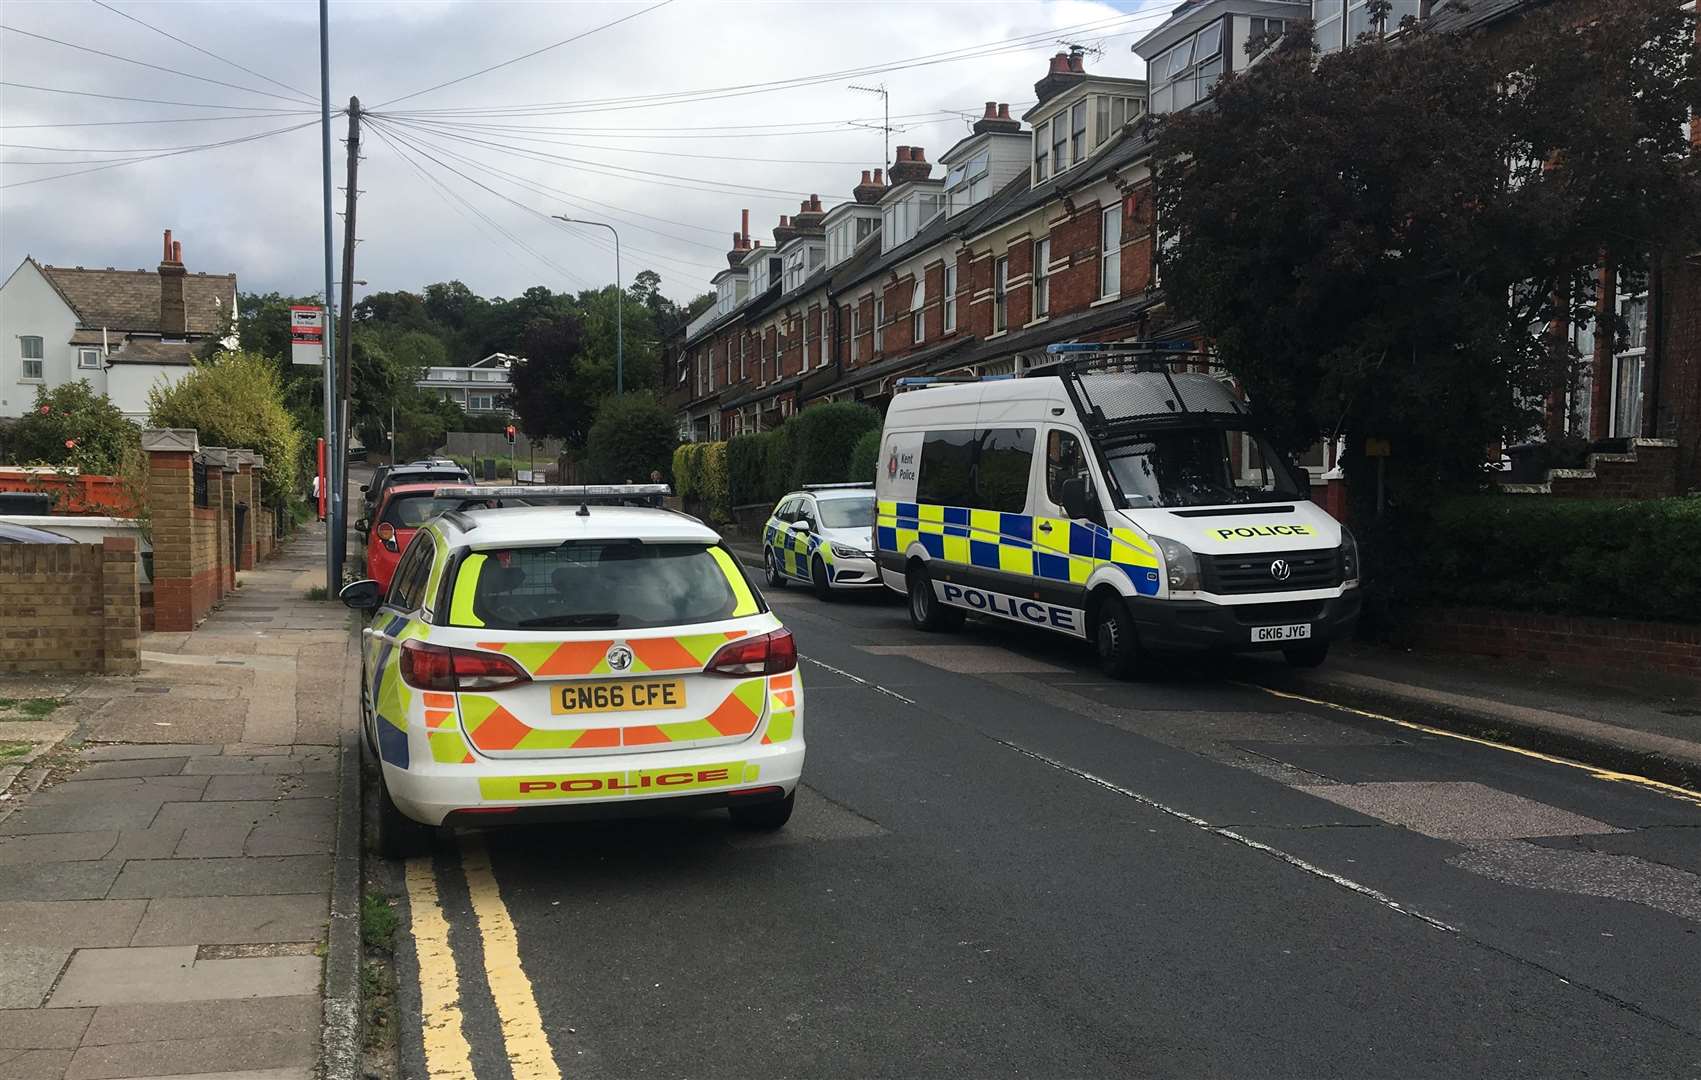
[345,339]
[333,540]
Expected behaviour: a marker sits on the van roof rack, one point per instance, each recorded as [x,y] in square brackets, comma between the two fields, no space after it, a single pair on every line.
[921,382]
[1125,407]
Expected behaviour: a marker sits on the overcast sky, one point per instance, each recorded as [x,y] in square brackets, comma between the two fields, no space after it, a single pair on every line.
[254,209]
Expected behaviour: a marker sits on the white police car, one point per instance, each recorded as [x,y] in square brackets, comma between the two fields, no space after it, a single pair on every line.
[823,536]
[540,662]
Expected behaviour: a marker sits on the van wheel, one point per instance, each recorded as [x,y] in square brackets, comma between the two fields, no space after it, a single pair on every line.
[1310,655]
[398,836]
[775,579]
[1117,642]
[926,612]
[765,816]
[818,577]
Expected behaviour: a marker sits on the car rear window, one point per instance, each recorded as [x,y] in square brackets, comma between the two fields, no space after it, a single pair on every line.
[411,510]
[600,585]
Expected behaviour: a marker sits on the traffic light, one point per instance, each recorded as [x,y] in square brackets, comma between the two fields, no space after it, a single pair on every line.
[510,433]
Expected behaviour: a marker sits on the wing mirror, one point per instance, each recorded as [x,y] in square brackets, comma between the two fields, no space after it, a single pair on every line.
[800,525]
[362,595]
[1077,498]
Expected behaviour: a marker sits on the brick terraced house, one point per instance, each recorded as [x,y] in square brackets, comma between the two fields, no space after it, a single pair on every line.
[1043,230]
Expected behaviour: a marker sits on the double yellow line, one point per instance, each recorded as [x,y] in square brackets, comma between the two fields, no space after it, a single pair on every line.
[447,1053]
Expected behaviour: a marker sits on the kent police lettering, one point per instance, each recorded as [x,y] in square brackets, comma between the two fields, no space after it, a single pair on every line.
[1017,608]
[1254,532]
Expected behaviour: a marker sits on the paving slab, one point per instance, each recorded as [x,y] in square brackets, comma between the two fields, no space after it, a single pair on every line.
[264,876]
[59,880]
[71,923]
[153,766]
[233,920]
[176,1021]
[35,1065]
[172,973]
[314,785]
[125,752]
[36,817]
[292,838]
[250,764]
[153,843]
[42,1029]
[57,847]
[253,1050]
[165,787]
[27,973]
[294,1072]
[212,842]
[187,815]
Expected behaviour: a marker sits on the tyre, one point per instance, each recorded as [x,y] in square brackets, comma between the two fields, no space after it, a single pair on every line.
[1116,641]
[926,612]
[399,836]
[771,571]
[765,816]
[818,577]
[1308,655]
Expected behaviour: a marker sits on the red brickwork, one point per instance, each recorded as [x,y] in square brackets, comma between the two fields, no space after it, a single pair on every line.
[70,607]
[1612,651]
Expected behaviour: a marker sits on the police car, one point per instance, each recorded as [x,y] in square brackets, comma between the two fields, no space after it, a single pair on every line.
[1111,499]
[598,659]
[823,536]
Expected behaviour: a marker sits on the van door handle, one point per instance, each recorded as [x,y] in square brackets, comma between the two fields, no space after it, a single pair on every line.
[1045,526]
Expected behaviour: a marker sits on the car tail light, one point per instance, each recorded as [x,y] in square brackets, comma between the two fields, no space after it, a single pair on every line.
[769,654]
[433,667]
[386,534]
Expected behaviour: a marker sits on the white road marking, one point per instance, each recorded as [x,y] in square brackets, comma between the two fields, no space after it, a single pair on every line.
[1229,834]
[859,681]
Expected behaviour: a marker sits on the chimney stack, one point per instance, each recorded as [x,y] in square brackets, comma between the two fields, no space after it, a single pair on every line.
[911,165]
[783,231]
[997,118]
[808,219]
[1066,69]
[870,190]
[740,242]
[173,314]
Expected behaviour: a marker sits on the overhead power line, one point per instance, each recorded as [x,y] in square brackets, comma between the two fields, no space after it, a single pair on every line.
[307,99]
[155,157]
[526,56]
[144,63]
[661,153]
[175,120]
[142,100]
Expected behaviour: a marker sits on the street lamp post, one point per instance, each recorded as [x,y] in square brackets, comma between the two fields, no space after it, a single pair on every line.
[619,304]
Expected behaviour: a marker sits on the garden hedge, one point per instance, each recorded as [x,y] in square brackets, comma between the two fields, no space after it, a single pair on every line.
[865,456]
[824,437]
[1565,556]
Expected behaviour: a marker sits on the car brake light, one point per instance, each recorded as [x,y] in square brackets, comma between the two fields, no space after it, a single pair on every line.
[769,654]
[433,667]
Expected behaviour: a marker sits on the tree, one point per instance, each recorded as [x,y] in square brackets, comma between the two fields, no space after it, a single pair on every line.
[633,435]
[546,389]
[236,400]
[1348,233]
[70,425]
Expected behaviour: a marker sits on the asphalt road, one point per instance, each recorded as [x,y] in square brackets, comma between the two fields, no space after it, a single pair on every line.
[1004,864]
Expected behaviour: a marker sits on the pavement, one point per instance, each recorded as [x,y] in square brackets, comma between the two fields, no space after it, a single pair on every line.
[168,871]
[1004,864]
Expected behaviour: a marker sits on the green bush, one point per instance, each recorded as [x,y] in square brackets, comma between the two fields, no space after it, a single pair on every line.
[685,464]
[1565,556]
[237,400]
[70,425]
[865,456]
[747,467]
[632,436]
[825,435]
[779,462]
[712,489]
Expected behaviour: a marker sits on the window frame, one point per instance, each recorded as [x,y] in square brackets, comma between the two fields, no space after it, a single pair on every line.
[879,322]
[1042,278]
[1078,132]
[85,354]
[1110,253]
[1042,152]
[1001,294]
[856,330]
[918,306]
[949,288]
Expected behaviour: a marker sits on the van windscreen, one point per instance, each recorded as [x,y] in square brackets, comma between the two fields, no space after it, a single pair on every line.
[1200,467]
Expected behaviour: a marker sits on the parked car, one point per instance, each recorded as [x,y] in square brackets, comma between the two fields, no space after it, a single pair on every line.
[400,513]
[822,536]
[410,474]
[23,534]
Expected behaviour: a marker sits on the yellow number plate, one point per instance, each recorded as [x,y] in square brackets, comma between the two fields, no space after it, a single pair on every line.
[640,695]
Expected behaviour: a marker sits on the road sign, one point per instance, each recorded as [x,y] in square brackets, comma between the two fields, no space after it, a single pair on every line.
[1378,448]
[307,336]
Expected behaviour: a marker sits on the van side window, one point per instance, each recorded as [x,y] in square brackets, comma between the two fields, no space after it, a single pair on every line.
[984,469]
[1064,460]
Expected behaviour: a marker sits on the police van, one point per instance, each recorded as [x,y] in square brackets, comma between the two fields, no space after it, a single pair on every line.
[1109,498]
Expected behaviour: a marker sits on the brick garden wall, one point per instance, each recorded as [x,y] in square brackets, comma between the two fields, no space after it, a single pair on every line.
[70,608]
[1615,652]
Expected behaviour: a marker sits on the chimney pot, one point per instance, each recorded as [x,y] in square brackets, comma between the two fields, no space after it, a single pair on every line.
[918,154]
[815,204]
[784,220]
[177,251]
[877,179]
[865,176]
[1060,63]
[744,228]
[166,256]
[1077,63]
[1004,110]
[991,109]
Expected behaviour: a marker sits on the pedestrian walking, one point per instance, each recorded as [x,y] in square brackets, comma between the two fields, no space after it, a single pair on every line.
[318,505]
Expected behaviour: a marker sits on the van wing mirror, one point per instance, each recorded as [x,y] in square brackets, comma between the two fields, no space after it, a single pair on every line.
[1076,497]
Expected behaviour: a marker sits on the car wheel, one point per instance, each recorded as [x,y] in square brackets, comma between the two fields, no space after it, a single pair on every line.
[765,816]
[1116,641]
[399,836]
[771,571]
[1309,655]
[926,612]
[818,577]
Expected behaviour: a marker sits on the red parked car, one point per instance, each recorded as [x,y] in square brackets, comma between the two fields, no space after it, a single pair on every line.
[400,513]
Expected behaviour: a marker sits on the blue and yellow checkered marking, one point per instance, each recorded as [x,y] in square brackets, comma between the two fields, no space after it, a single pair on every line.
[792,551]
[1016,543]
